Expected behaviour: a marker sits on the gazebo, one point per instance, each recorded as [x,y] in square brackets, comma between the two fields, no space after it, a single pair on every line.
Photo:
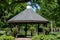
[28,16]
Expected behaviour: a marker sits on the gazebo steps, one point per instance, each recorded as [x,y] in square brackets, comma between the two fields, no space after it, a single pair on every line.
[23,38]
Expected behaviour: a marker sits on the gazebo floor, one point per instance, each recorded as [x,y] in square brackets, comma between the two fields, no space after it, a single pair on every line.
[23,38]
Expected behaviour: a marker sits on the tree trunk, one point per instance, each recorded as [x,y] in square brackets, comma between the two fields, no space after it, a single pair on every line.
[51,26]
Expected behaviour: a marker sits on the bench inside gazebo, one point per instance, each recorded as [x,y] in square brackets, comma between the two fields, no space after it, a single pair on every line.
[28,16]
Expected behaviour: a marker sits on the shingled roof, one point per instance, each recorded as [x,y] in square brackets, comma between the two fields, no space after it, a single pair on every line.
[28,16]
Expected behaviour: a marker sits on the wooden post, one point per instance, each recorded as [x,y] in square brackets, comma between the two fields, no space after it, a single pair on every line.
[38,29]
[32,30]
[45,25]
[11,30]
[26,30]
[16,31]
[31,33]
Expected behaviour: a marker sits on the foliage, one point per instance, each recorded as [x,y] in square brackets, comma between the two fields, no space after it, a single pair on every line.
[57,34]
[2,33]
[4,37]
[14,30]
[46,37]
[50,9]
[5,31]
[8,9]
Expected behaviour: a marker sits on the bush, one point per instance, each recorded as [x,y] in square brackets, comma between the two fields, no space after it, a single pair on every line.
[4,37]
[57,34]
[36,37]
[45,37]
[47,30]
[2,33]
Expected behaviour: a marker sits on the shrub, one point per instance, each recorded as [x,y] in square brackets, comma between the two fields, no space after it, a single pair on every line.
[45,37]
[47,30]
[2,33]
[4,37]
[57,34]
[36,37]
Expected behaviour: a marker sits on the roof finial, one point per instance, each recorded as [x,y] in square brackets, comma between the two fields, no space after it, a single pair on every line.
[29,5]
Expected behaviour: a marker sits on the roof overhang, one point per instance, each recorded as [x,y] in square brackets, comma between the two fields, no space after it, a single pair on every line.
[28,21]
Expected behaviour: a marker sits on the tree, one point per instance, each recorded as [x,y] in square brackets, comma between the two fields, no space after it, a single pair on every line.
[50,9]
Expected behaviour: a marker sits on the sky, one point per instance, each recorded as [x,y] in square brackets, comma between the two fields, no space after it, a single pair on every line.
[34,6]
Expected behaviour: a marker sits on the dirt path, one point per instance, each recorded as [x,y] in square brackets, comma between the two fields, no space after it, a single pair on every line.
[23,38]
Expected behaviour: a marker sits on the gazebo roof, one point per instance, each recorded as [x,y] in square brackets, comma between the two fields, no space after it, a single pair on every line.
[28,16]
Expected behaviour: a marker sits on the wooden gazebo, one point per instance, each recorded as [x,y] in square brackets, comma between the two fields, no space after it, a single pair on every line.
[28,16]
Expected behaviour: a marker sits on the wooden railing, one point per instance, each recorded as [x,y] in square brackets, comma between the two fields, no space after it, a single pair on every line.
[55,29]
